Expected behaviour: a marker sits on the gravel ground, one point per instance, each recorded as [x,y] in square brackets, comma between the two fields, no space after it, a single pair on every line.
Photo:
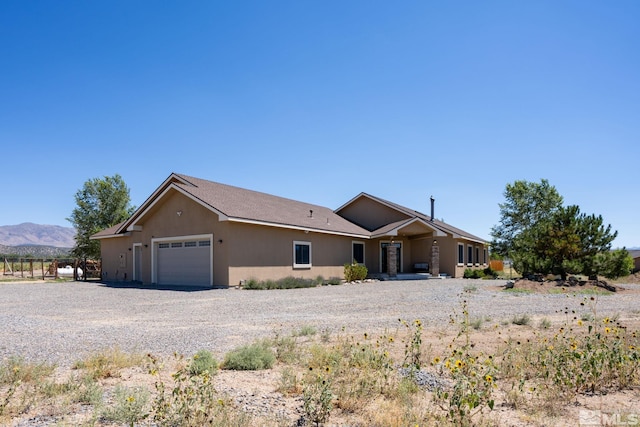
[62,322]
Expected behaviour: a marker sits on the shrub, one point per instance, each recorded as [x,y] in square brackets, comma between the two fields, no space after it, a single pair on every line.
[289,282]
[129,406]
[203,361]
[471,273]
[250,358]
[521,320]
[355,271]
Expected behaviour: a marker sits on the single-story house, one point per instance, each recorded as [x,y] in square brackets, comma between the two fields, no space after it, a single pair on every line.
[635,254]
[191,231]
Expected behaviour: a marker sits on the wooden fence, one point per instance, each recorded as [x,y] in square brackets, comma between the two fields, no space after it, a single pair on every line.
[52,268]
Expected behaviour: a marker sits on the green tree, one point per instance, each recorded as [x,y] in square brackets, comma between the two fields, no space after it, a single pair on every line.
[542,236]
[526,204]
[101,203]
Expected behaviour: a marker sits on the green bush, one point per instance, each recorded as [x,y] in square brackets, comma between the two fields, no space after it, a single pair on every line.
[203,361]
[289,282]
[471,273]
[355,271]
[250,358]
[333,281]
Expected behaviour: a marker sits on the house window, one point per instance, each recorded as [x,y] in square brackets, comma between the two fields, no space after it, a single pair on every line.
[477,255]
[357,252]
[484,255]
[301,254]
[460,253]
[469,255]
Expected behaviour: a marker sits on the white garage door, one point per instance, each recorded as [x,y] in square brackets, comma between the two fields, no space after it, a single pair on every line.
[184,262]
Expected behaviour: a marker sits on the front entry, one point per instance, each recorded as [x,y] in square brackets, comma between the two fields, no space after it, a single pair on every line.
[383,256]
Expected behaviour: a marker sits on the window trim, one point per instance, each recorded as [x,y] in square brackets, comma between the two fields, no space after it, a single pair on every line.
[477,255]
[301,243]
[460,255]
[470,258]
[353,258]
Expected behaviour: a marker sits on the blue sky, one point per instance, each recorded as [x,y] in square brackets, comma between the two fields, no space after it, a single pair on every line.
[321,100]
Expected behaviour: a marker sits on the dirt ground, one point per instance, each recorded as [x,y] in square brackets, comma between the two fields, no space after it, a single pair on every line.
[256,392]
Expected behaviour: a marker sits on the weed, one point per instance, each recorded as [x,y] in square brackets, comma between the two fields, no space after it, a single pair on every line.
[130,406]
[472,374]
[521,320]
[545,323]
[192,401]
[317,397]
[203,361]
[289,383]
[250,357]
[109,363]
[470,288]
[306,330]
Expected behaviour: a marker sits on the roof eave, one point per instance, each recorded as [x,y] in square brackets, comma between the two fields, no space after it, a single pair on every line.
[297,227]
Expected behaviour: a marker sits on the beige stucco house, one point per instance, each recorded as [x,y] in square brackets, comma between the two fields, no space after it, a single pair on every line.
[196,232]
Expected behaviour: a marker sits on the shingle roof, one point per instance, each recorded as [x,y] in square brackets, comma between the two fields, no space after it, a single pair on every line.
[634,253]
[440,225]
[242,205]
[108,232]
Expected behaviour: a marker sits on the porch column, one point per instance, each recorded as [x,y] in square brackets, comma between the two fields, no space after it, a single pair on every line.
[435,259]
[392,254]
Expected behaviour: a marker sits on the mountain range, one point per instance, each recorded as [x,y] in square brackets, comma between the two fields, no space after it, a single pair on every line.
[30,234]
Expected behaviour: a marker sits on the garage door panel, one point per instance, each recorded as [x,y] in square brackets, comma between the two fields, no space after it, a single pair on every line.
[184,263]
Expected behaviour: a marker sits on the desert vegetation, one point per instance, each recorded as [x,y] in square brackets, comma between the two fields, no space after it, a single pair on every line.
[471,371]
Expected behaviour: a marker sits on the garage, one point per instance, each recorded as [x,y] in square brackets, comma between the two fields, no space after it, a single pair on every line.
[184,262]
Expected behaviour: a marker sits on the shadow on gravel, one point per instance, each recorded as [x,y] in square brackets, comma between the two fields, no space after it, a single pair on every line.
[178,288]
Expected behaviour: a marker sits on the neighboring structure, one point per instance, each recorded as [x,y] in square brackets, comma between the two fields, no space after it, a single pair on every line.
[196,232]
[635,254]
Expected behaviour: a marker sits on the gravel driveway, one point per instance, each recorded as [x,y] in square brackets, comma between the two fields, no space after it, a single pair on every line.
[62,322]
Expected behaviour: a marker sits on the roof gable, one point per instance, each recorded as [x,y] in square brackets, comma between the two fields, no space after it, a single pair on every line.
[241,205]
[440,226]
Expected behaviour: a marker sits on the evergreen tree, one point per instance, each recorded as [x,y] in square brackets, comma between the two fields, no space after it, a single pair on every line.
[542,236]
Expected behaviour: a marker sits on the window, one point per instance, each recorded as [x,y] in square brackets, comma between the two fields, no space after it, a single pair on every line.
[357,252]
[301,254]
[204,243]
[176,245]
[190,244]
[477,255]
[163,245]
[460,253]
[469,255]
[484,254]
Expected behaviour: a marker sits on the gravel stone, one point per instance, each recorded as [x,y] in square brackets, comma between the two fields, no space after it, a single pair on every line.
[63,322]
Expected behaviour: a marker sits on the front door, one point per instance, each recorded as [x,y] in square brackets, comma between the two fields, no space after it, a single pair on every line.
[383,255]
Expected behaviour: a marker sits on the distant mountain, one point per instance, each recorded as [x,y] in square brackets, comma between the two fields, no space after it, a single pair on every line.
[33,251]
[37,235]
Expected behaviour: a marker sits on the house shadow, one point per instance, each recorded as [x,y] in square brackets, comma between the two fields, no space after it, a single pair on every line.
[156,287]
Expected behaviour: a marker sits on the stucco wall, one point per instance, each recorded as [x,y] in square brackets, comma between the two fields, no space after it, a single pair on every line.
[370,214]
[261,253]
[117,259]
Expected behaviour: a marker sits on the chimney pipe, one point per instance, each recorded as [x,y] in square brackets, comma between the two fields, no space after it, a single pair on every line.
[432,207]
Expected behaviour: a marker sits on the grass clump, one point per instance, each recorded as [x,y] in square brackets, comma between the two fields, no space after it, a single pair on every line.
[109,363]
[251,357]
[522,320]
